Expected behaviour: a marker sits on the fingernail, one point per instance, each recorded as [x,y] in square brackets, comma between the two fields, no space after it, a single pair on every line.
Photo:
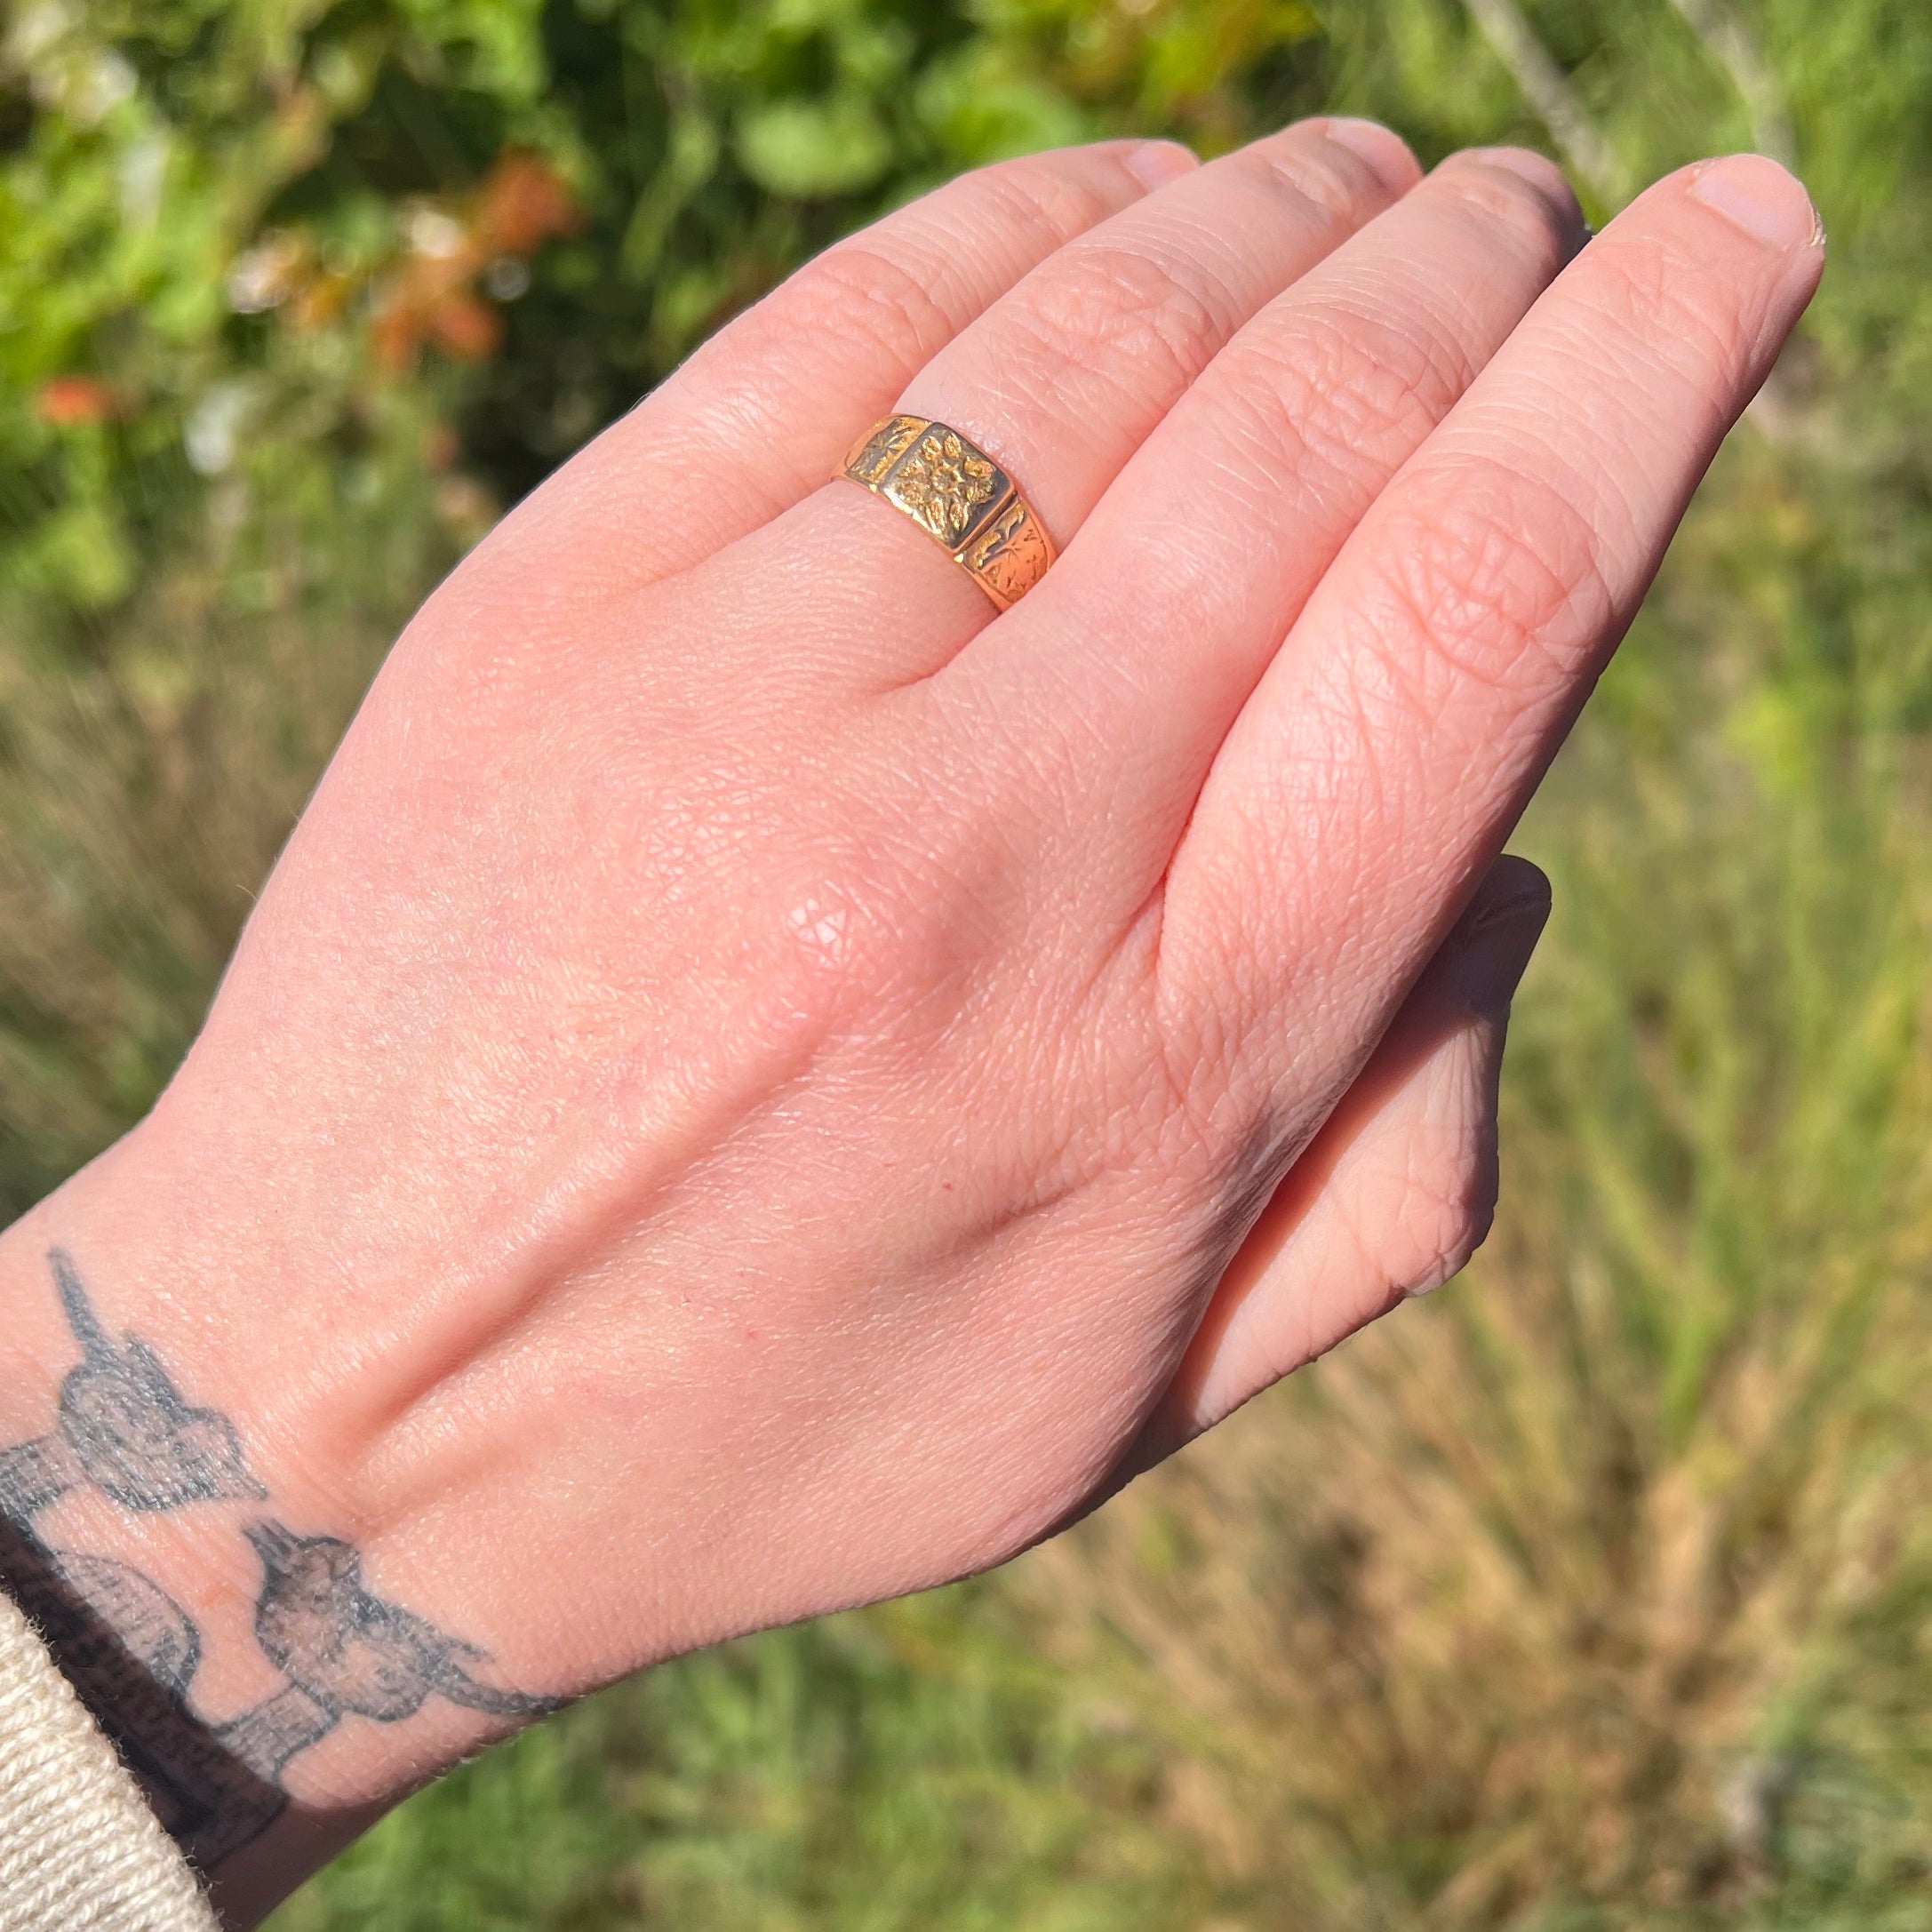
[1499,941]
[1761,198]
[1158,163]
[1386,153]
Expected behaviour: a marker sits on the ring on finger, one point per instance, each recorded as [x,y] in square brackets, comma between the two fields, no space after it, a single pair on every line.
[959,497]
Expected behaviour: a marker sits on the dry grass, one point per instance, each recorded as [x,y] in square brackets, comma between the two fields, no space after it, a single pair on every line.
[1594,1586]
[149,771]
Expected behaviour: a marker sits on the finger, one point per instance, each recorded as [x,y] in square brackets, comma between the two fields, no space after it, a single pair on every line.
[1400,730]
[1395,1193]
[1082,360]
[1062,378]
[759,415]
[1154,627]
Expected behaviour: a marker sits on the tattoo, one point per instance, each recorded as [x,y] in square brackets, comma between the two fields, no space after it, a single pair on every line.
[352,1652]
[124,1428]
[34,1474]
[347,1653]
[131,1652]
[154,1629]
[269,1734]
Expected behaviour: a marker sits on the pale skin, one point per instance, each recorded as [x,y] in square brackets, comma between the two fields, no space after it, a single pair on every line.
[758,1085]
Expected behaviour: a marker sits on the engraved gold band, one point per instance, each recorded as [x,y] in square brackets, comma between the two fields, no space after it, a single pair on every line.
[956,493]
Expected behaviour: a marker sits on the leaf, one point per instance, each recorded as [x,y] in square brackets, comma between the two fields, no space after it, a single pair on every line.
[809,150]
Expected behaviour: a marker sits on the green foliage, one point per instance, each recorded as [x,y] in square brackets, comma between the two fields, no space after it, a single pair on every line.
[1592,1595]
[766,1786]
[221,227]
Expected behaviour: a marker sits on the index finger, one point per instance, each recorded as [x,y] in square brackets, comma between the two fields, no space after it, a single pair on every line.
[1380,763]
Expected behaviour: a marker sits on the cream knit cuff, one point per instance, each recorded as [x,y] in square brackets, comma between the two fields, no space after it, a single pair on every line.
[79,1849]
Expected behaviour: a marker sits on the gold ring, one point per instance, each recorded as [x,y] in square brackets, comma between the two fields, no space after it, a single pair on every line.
[956,493]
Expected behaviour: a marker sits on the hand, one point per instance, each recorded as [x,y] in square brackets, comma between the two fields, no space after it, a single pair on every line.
[753,1085]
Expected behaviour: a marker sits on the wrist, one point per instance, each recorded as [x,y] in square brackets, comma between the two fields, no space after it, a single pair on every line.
[272,1669]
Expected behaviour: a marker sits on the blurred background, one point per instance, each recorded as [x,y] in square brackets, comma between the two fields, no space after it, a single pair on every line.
[1591,1594]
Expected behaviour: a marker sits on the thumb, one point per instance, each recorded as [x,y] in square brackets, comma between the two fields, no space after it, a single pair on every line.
[1395,1194]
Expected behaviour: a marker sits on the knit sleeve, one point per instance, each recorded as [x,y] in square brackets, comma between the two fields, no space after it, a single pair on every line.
[79,1849]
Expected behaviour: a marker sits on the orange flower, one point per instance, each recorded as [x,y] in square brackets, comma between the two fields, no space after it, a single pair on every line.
[410,303]
[521,205]
[431,295]
[67,400]
[465,326]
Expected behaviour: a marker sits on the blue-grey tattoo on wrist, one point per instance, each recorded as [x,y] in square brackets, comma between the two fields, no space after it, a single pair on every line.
[123,1427]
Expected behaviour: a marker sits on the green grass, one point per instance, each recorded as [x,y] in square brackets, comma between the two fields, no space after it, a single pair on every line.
[912,1767]
[1591,1594]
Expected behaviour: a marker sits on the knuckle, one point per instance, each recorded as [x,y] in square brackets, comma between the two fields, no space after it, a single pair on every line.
[857,293]
[1336,184]
[1445,1215]
[1116,309]
[1682,321]
[1498,580]
[1054,196]
[863,290]
[1430,1202]
[1349,394]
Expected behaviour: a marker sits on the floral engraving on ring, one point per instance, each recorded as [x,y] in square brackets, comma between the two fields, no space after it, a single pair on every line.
[945,482]
[1011,555]
[884,447]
